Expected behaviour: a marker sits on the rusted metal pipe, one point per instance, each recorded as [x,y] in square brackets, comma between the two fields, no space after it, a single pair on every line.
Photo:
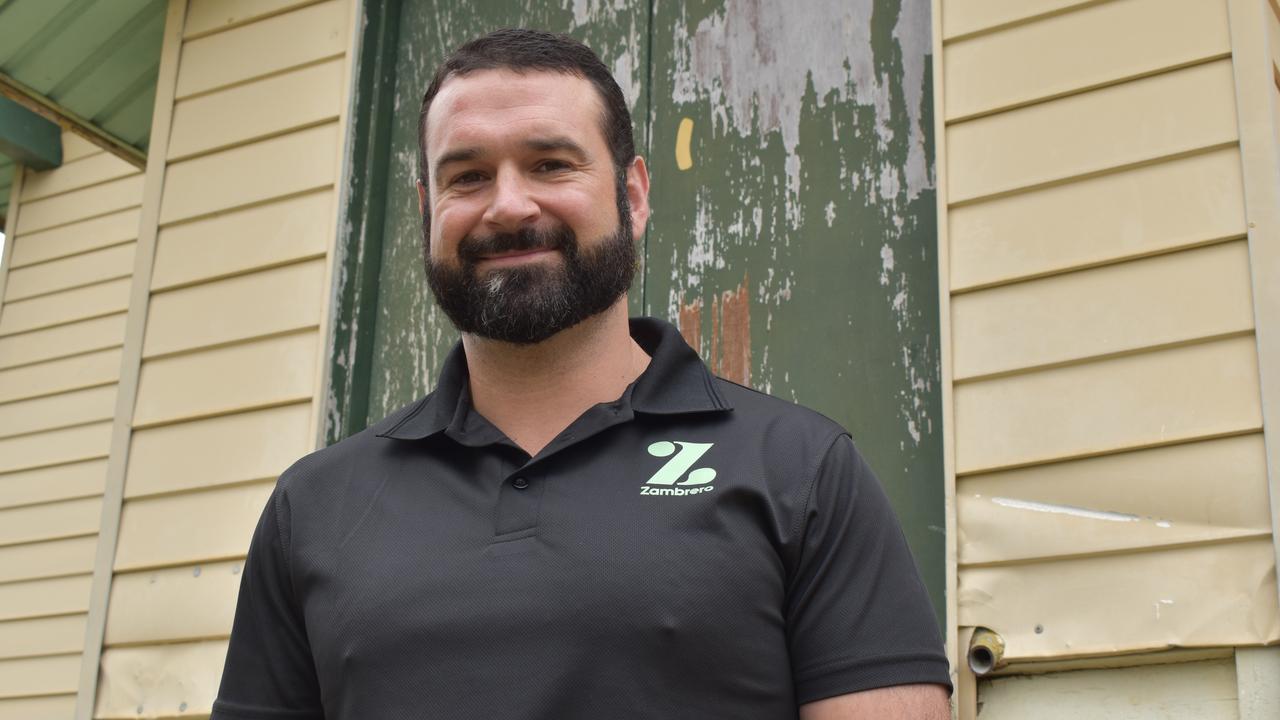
[986,651]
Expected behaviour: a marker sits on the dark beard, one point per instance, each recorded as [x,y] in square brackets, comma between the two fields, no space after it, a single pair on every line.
[527,304]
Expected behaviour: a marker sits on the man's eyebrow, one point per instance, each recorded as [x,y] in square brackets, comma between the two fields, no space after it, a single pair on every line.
[558,142]
[454,156]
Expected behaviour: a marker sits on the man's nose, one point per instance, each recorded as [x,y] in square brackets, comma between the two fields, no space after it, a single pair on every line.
[511,206]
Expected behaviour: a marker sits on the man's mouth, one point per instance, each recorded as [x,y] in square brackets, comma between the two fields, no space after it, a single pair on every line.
[515,257]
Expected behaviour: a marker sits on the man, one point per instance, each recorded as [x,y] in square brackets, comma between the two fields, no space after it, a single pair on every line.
[580,521]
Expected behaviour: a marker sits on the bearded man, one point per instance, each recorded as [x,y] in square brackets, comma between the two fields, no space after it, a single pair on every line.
[580,521]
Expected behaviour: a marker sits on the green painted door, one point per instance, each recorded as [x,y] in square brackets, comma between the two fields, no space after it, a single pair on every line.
[793,232]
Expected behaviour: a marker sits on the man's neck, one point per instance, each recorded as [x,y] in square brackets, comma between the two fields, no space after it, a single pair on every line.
[533,392]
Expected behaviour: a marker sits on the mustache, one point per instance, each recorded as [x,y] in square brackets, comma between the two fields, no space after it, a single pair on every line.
[473,248]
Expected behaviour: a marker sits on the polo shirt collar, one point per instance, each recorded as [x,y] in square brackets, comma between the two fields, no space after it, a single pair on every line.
[676,382]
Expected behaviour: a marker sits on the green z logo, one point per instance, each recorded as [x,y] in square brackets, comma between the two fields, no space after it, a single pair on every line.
[677,466]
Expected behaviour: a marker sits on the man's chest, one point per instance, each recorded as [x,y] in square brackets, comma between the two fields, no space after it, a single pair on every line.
[664,557]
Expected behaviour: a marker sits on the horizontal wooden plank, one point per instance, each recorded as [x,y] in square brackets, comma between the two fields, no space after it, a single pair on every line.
[191,528]
[47,484]
[256,237]
[1149,209]
[85,269]
[286,165]
[267,302]
[962,17]
[274,371]
[39,676]
[75,147]
[55,376]
[48,707]
[208,16]
[54,447]
[62,340]
[55,411]
[1113,127]
[108,197]
[270,106]
[45,598]
[1203,690]
[1175,394]
[75,174]
[262,48]
[70,556]
[83,236]
[1126,39]
[1197,596]
[1160,300]
[194,454]
[33,523]
[96,300]
[178,680]
[41,636]
[1174,495]
[174,604]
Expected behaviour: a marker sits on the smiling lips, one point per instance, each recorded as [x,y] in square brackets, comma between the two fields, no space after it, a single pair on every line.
[517,256]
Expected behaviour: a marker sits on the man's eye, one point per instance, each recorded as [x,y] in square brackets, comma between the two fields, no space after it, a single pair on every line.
[466,178]
[552,166]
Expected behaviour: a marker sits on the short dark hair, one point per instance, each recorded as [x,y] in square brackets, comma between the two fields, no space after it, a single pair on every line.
[523,50]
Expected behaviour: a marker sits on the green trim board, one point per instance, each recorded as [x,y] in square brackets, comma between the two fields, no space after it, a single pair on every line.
[67,119]
[8,172]
[359,243]
[28,138]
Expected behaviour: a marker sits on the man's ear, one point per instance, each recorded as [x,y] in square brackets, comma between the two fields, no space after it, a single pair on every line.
[422,196]
[638,195]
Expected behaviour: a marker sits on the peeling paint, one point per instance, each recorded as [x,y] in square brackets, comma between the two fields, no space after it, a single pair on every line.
[690,323]
[731,335]
[812,175]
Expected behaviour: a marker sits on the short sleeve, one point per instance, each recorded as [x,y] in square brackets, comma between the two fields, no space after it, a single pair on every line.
[858,614]
[269,672]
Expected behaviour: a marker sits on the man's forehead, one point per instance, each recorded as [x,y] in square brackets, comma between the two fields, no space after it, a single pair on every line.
[560,96]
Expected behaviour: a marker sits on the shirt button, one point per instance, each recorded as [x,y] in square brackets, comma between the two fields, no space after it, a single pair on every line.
[520,483]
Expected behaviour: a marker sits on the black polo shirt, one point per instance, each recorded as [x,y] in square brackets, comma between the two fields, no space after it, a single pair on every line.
[693,550]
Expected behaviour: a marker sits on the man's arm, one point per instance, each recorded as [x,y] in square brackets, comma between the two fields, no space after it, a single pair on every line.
[901,702]
[858,616]
[269,672]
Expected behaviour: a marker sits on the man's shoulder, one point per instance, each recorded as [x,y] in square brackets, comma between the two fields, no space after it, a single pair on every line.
[778,423]
[763,407]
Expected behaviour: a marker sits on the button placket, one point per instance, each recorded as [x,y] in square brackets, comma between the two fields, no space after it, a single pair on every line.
[518,503]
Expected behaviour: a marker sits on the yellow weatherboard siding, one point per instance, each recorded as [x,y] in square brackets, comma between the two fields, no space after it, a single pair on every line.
[1187,691]
[981,80]
[1143,211]
[86,269]
[1105,384]
[144,598]
[230,358]
[77,237]
[192,455]
[61,327]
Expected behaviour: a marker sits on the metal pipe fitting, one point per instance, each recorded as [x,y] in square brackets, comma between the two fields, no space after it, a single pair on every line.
[986,651]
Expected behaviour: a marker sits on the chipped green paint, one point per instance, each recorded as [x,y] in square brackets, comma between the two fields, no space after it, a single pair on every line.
[798,249]
[794,243]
